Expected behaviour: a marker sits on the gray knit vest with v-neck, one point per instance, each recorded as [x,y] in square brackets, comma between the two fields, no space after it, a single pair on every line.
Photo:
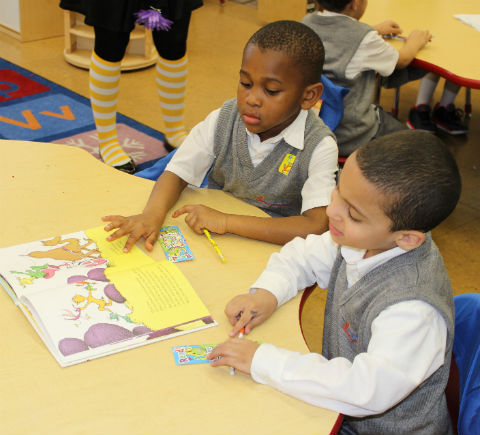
[418,274]
[341,37]
[264,185]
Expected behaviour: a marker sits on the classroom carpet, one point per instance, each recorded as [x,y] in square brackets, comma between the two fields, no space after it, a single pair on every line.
[35,109]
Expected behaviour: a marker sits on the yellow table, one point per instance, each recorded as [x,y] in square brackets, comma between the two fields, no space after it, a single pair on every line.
[453,51]
[49,189]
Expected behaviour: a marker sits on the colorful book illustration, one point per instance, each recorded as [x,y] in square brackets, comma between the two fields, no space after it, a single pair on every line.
[174,244]
[86,298]
[192,354]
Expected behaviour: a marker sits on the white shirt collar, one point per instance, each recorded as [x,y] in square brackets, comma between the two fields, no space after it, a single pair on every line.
[293,134]
[326,13]
[357,266]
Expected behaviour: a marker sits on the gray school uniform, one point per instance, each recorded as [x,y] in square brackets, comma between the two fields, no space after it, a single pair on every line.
[275,184]
[349,313]
[341,37]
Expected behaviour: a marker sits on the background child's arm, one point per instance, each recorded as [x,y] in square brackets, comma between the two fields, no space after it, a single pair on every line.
[273,230]
[164,195]
[388,27]
[415,41]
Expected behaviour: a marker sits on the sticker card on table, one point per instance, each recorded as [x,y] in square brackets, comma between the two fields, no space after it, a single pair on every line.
[192,354]
[174,244]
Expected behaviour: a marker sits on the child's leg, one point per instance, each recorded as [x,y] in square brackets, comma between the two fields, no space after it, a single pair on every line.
[450,91]
[419,116]
[172,78]
[426,89]
[104,78]
[445,116]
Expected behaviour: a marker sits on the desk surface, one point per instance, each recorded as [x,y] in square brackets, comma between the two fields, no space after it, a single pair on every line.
[452,53]
[47,190]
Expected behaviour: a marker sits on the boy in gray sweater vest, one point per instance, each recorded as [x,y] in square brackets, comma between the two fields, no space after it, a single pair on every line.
[389,317]
[354,53]
[266,147]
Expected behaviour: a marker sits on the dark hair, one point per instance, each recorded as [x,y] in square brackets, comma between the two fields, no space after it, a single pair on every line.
[418,175]
[334,5]
[298,41]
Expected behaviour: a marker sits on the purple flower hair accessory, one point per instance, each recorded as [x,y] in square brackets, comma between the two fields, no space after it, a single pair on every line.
[153,19]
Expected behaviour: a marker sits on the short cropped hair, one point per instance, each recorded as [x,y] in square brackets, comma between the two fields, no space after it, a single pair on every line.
[417,174]
[334,5]
[297,41]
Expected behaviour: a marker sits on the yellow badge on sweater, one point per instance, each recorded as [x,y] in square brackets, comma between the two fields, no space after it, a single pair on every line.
[286,164]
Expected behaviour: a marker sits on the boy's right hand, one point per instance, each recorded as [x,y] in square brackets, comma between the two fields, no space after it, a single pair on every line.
[249,310]
[419,38]
[135,227]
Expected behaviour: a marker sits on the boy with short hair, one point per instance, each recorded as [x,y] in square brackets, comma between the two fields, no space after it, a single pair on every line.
[355,53]
[389,316]
[266,147]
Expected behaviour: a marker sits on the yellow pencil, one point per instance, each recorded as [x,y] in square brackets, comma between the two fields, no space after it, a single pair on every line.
[215,246]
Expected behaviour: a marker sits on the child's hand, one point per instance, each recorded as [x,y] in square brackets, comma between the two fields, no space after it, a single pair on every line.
[388,27]
[236,352]
[200,217]
[249,310]
[136,226]
[419,38]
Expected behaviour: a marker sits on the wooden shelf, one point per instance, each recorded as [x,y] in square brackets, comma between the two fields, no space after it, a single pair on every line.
[79,41]
[130,62]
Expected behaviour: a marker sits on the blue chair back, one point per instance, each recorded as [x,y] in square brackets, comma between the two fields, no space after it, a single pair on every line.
[466,351]
[331,111]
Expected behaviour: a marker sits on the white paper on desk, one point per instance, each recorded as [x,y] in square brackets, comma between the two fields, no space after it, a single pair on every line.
[471,20]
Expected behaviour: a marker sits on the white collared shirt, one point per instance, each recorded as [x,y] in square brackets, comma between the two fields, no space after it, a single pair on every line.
[194,158]
[373,53]
[407,343]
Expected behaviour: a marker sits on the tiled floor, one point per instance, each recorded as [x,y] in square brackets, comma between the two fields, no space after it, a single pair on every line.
[216,40]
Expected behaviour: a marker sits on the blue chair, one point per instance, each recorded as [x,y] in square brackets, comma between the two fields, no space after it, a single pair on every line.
[331,111]
[463,389]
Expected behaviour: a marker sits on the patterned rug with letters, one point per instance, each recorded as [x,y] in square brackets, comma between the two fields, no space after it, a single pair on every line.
[36,109]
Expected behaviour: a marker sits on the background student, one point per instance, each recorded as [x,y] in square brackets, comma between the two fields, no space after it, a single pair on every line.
[266,147]
[354,53]
[113,20]
[389,316]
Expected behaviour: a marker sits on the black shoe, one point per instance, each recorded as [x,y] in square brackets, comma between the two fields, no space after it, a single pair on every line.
[129,167]
[168,146]
[419,119]
[449,119]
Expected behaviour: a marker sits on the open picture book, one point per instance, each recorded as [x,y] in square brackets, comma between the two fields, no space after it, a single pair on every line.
[86,298]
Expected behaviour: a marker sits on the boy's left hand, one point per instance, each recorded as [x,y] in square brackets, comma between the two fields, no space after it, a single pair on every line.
[200,217]
[388,27]
[236,352]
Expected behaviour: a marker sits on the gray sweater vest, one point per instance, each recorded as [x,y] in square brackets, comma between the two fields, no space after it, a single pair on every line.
[341,37]
[419,274]
[265,186]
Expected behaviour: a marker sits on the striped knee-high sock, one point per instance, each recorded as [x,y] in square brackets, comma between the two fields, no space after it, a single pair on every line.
[104,87]
[171,79]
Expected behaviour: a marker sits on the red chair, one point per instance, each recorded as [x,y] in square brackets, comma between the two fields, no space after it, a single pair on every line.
[306,293]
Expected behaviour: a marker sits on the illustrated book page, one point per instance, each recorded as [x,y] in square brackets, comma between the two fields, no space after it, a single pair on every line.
[87,298]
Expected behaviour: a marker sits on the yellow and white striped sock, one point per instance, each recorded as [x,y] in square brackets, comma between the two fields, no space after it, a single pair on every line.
[104,80]
[171,79]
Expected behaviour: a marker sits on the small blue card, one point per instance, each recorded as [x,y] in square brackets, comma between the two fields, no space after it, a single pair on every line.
[174,245]
[192,354]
